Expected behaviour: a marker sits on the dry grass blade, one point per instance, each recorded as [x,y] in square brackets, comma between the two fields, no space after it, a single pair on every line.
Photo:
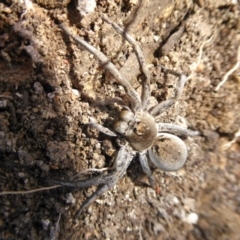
[234,68]
[28,191]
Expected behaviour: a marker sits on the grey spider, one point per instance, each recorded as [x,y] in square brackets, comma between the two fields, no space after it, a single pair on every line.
[137,128]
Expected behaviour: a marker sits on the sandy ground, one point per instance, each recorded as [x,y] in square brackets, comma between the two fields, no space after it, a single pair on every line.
[50,87]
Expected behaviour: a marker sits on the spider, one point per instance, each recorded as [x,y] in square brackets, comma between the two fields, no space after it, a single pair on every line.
[137,129]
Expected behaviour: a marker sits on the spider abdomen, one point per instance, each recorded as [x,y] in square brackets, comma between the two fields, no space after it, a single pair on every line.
[168,153]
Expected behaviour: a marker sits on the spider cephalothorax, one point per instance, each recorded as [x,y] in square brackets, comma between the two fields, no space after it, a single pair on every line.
[138,126]
[139,129]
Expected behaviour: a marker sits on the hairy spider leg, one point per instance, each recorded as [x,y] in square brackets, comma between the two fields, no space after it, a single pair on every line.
[117,170]
[104,182]
[175,130]
[163,106]
[100,190]
[102,129]
[108,65]
[146,169]
[146,83]
[82,184]
[123,159]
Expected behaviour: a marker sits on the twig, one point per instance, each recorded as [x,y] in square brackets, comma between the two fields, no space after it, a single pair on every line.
[234,68]
[28,191]
[201,50]
[140,231]
[57,223]
[56,229]
[29,6]
[229,144]
[199,57]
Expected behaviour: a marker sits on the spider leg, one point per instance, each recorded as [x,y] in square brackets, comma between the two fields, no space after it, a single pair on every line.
[102,129]
[146,169]
[109,180]
[108,65]
[121,164]
[146,83]
[175,129]
[163,106]
[86,171]
[122,161]
[91,199]
[86,183]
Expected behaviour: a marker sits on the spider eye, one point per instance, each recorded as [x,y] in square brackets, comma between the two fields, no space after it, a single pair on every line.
[168,153]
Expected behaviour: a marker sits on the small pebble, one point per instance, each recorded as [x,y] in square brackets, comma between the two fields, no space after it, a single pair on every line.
[86,6]
[39,163]
[75,92]
[45,168]
[45,223]
[38,88]
[191,218]
[70,199]
[21,175]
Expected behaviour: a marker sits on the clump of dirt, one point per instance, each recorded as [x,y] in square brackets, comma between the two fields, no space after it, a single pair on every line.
[50,87]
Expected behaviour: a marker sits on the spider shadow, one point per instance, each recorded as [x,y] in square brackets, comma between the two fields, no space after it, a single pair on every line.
[136,174]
